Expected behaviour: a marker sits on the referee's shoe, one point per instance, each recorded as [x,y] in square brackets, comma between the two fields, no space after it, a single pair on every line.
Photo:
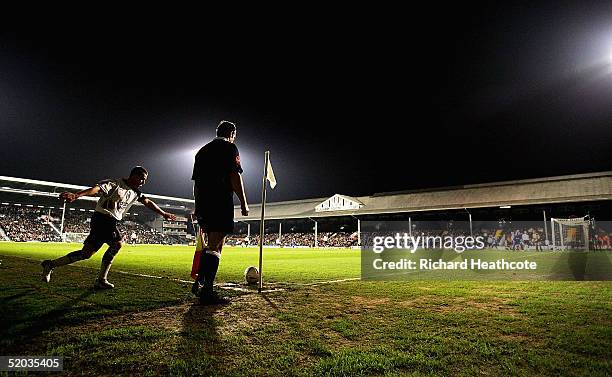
[212,298]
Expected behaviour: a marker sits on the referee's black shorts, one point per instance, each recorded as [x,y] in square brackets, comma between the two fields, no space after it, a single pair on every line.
[216,216]
[103,230]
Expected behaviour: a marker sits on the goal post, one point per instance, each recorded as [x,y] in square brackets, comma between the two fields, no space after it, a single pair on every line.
[570,234]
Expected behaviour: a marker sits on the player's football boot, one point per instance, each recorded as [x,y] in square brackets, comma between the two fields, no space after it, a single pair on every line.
[103,284]
[47,270]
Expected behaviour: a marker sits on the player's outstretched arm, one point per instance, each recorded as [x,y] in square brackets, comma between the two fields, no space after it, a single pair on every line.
[154,207]
[72,196]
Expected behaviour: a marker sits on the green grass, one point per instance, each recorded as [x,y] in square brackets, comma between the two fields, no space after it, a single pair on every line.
[148,326]
[281,265]
[550,265]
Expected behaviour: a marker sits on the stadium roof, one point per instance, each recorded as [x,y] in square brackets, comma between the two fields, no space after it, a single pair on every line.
[550,190]
[32,187]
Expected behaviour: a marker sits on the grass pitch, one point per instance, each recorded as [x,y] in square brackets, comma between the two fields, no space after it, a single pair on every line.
[281,265]
[148,326]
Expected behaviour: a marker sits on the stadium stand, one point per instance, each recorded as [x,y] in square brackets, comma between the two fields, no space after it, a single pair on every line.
[336,221]
[27,224]
[21,224]
[327,239]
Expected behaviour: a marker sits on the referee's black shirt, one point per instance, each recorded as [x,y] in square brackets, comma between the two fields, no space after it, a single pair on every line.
[211,172]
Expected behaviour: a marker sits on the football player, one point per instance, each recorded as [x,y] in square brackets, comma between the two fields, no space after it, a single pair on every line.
[116,198]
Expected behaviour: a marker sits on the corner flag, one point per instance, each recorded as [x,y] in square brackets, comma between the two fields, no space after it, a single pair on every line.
[270,174]
[195,265]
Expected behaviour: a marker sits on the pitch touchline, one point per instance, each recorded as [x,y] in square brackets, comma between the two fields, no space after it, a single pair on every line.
[224,286]
[330,281]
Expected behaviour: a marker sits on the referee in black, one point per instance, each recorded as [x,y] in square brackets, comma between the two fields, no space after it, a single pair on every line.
[216,176]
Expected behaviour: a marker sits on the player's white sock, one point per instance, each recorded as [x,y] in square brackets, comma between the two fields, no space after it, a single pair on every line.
[104,269]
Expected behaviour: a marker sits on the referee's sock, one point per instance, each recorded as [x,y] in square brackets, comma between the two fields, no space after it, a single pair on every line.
[210,259]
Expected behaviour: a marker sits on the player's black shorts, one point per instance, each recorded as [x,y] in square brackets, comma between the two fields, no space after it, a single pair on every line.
[103,230]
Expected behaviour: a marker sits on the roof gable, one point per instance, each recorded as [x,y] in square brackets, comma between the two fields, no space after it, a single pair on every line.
[339,203]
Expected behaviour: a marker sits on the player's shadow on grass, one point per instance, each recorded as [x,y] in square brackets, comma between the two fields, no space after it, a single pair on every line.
[32,326]
[199,342]
[5,300]
[581,265]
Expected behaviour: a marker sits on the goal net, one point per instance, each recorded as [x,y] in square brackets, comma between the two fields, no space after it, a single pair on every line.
[570,234]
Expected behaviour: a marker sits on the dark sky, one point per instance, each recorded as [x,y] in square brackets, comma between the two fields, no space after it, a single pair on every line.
[357,104]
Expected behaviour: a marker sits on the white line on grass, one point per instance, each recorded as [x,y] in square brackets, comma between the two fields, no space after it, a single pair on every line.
[330,281]
[229,286]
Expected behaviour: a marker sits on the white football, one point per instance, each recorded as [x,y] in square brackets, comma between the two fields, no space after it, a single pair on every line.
[251,275]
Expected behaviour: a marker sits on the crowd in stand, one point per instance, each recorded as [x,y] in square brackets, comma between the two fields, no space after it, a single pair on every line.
[507,239]
[21,224]
[27,224]
[600,241]
[518,239]
[324,239]
[77,222]
[137,233]
[502,239]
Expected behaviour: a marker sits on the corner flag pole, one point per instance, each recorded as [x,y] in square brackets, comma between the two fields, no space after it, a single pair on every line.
[261,223]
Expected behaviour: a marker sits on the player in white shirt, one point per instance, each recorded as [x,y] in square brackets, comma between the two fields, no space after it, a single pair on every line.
[116,198]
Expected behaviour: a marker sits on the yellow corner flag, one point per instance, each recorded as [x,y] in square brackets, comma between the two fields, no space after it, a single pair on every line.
[195,265]
[270,175]
[199,241]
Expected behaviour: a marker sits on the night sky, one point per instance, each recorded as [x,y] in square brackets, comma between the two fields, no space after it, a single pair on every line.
[355,105]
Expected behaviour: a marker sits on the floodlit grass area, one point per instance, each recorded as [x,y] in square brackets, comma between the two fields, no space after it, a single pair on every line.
[544,265]
[148,326]
[281,265]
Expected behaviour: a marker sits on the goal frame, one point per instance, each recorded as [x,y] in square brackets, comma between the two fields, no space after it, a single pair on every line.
[557,225]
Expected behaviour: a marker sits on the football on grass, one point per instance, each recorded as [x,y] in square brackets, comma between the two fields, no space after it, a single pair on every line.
[251,275]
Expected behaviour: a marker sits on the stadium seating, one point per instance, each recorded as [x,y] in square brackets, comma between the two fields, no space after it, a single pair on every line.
[28,224]
[22,223]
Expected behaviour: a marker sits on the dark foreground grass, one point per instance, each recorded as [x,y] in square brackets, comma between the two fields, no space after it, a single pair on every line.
[150,327]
